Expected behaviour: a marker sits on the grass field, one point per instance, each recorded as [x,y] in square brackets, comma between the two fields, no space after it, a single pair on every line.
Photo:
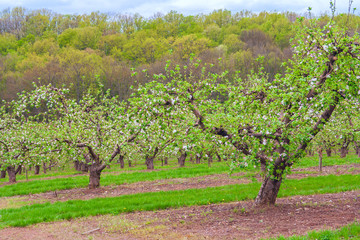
[171,199]
[64,178]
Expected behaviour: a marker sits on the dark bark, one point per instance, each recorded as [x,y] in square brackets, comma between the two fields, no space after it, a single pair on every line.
[198,159]
[77,165]
[44,167]
[129,163]
[12,173]
[94,179]
[166,160]
[328,152]
[268,191]
[357,148]
[182,158]
[84,167]
[37,170]
[218,157]
[311,153]
[121,161]
[149,163]
[343,152]
[3,174]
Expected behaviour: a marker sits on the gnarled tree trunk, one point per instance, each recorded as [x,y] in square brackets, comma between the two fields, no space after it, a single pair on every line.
[121,161]
[95,174]
[3,174]
[182,158]
[268,191]
[328,152]
[218,157]
[149,163]
[77,165]
[12,173]
[37,170]
[343,152]
[84,167]
[44,167]
[198,158]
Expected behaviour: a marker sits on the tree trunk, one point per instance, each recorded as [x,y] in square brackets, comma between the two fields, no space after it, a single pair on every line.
[129,163]
[328,152]
[311,153]
[149,163]
[320,152]
[77,165]
[37,170]
[218,157]
[343,152]
[166,161]
[12,174]
[181,159]
[121,161]
[198,158]
[94,179]
[268,191]
[210,159]
[84,167]
[44,167]
[3,174]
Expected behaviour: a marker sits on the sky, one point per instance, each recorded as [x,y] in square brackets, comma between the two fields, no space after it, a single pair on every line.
[148,8]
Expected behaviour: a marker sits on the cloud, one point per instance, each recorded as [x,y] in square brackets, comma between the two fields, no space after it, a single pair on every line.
[149,8]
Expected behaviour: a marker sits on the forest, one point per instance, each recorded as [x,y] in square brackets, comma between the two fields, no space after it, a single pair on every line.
[78,50]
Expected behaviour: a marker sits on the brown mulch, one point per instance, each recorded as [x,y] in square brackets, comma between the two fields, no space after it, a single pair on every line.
[160,185]
[239,220]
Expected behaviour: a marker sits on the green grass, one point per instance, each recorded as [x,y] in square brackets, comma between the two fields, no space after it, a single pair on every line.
[40,186]
[171,199]
[69,170]
[351,231]
[327,161]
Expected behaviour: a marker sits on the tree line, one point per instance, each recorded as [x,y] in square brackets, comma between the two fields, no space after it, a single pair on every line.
[78,50]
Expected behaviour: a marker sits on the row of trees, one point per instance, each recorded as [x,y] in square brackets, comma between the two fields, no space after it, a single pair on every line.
[269,124]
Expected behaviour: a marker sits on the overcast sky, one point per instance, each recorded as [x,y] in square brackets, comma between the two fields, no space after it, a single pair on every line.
[148,8]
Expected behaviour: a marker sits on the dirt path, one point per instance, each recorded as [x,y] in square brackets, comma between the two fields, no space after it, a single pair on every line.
[158,185]
[239,220]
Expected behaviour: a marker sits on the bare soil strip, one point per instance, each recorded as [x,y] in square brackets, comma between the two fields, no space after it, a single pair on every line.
[238,220]
[159,185]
